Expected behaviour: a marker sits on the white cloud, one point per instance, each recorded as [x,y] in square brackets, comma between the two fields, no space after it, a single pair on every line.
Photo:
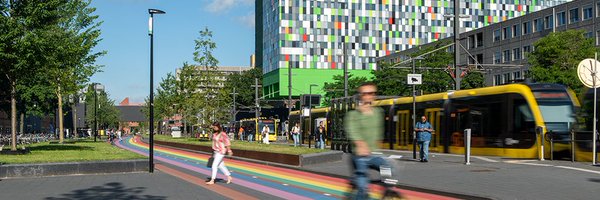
[218,6]
[247,20]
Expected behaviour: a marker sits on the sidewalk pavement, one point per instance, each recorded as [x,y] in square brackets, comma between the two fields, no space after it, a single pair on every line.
[156,186]
[491,177]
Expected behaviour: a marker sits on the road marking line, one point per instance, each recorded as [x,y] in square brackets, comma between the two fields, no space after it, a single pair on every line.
[579,169]
[485,159]
[526,162]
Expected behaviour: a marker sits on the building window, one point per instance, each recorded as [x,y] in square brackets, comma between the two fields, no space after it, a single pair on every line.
[588,35]
[526,27]
[517,54]
[497,57]
[539,25]
[479,58]
[471,41]
[548,22]
[561,18]
[506,78]
[506,56]
[497,79]
[516,30]
[506,33]
[587,13]
[574,15]
[517,75]
[479,39]
[497,35]
[526,50]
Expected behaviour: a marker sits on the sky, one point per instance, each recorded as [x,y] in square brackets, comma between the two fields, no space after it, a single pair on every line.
[126,66]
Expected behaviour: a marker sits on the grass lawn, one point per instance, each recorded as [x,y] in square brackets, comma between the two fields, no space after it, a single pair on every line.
[254,146]
[82,150]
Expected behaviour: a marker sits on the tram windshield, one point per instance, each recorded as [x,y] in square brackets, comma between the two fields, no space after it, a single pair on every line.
[558,116]
[557,109]
[269,123]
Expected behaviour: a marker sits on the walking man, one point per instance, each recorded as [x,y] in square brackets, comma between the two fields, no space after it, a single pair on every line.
[365,129]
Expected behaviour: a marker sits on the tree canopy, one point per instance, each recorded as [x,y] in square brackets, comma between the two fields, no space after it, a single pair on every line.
[556,56]
[46,50]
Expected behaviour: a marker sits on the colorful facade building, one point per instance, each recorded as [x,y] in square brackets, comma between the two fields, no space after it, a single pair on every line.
[318,38]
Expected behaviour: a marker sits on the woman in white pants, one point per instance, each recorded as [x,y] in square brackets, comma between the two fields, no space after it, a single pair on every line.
[220,145]
[265,134]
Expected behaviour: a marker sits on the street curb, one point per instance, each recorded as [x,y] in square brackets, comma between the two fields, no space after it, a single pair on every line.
[316,158]
[72,168]
[285,159]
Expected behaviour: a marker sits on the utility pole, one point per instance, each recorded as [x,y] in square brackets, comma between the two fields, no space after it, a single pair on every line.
[414,106]
[457,71]
[257,110]
[345,72]
[234,111]
[289,95]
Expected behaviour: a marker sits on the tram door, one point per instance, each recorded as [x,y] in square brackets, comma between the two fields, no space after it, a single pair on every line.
[403,130]
[434,115]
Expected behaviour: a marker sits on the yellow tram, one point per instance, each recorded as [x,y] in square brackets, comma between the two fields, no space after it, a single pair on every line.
[509,120]
[254,126]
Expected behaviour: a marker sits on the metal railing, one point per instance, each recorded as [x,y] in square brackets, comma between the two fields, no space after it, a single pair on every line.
[550,136]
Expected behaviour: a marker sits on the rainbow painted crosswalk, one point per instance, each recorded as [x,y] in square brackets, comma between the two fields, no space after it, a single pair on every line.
[277,181]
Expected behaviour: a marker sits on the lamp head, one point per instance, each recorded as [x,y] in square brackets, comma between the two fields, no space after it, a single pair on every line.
[155,11]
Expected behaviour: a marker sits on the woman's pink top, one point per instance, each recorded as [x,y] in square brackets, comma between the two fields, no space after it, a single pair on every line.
[220,141]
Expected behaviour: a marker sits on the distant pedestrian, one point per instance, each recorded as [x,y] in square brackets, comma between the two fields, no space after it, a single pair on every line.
[319,136]
[241,133]
[265,134]
[424,131]
[221,146]
[250,134]
[296,134]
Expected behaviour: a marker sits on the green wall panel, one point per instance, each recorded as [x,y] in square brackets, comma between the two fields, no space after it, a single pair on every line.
[303,78]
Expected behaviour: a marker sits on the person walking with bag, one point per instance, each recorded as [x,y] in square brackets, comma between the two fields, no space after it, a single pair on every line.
[221,146]
[424,131]
[296,134]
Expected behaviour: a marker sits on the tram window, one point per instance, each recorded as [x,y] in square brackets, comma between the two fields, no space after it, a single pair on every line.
[522,134]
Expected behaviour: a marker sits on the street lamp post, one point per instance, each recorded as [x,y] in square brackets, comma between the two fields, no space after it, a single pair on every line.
[310,112]
[97,87]
[151,122]
[95,113]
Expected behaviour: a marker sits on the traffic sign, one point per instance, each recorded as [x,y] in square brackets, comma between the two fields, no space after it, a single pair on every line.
[586,70]
[414,79]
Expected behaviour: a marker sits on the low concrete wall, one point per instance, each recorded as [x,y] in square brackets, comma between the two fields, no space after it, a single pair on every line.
[287,159]
[53,169]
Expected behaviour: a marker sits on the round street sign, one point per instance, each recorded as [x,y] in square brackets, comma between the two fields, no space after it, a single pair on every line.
[586,70]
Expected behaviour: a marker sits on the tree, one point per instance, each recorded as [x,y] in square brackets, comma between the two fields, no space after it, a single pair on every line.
[208,98]
[557,55]
[107,112]
[165,99]
[71,64]
[391,79]
[242,83]
[335,89]
[45,46]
